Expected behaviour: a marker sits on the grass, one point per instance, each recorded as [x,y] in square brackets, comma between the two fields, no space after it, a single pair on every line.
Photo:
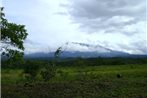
[80,82]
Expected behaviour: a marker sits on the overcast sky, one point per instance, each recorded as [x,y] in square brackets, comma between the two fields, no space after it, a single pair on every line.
[115,24]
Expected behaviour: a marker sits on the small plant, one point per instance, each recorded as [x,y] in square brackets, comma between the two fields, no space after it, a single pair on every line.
[48,72]
[119,76]
[62,74]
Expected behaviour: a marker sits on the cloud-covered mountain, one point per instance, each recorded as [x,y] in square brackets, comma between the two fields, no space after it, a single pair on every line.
[76,49]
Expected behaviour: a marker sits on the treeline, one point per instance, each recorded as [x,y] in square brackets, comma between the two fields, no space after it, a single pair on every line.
[102,61]
[76,62]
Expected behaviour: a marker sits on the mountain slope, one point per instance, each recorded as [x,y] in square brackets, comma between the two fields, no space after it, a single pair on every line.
[75,49]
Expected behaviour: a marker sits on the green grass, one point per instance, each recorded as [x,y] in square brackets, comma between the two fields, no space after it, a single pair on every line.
[80,82]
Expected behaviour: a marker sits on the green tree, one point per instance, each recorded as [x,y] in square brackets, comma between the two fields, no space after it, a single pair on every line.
[12,38]
[49,70]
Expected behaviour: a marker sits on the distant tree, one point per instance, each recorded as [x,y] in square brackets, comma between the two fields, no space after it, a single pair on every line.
[12,38]
[58,52]
[49,70]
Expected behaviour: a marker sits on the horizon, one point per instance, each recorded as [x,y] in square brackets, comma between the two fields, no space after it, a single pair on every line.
[114,24]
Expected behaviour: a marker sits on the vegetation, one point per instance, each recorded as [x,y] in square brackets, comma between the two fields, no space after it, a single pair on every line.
[30,70]
[48,72]
[67,77]
[79,62]
[77,82]
[12,39]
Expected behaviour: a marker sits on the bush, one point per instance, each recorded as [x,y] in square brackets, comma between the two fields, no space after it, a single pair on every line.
[63,74]
[48,72]
[31,70]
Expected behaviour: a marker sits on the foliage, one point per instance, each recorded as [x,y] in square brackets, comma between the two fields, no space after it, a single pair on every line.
[101,83]
[49,70]
[101,61]
[79,62]
[58,52]
[16,59]
[31,70]
[12,38]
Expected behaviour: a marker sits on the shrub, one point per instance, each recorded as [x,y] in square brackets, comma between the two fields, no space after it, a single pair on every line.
[48,72]
[31,70]
[63,74]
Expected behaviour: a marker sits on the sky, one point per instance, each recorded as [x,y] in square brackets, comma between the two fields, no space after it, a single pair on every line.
[115,24]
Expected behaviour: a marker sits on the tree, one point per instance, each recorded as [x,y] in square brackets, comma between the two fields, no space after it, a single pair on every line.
[12,38]
[49,70]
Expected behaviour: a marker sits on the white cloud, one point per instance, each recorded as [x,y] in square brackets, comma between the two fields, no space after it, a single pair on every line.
[52,23]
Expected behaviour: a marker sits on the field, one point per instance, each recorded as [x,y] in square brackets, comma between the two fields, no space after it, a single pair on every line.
[109,81]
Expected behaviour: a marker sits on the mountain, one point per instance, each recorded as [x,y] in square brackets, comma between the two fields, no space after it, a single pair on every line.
[84,50]
[67,54]
[75,49]
[71,54]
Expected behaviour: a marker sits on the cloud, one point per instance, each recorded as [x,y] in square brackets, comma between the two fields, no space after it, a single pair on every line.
[93,9]
[137,47]
[31,47]
[108,15]
[52,23]
[121,23]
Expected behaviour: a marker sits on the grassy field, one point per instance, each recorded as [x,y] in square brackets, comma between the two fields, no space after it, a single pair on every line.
[119,81]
